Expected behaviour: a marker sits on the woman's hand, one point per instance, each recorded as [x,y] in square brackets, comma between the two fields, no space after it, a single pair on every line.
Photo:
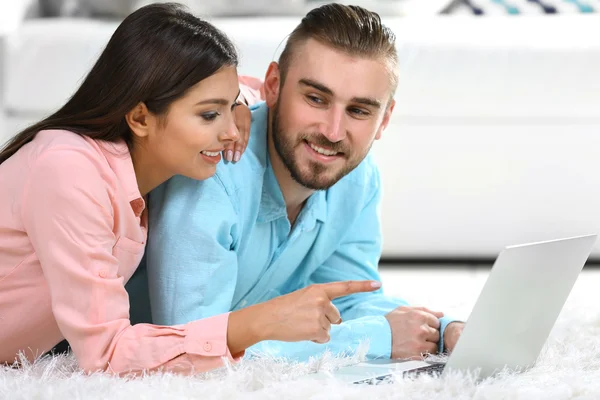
[306,314]
[233,151]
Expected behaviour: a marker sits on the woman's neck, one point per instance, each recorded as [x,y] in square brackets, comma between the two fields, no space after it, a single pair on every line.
[147,174]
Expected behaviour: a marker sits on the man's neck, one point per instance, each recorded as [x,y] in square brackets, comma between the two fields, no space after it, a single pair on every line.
[294,194]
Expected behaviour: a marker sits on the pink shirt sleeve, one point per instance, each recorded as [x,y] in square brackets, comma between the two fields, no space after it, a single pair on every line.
[252,89]
[68,214]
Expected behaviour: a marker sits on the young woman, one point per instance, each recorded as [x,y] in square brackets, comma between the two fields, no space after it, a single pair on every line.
[159,101]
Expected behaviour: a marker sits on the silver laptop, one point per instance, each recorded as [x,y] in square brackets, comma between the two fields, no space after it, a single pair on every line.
[512,318]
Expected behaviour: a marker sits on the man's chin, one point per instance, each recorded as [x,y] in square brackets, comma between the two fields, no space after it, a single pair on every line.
[318,182]
[317,185]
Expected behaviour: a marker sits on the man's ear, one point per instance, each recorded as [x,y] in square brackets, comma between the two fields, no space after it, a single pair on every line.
[386,119]
[139,120]
[272,83]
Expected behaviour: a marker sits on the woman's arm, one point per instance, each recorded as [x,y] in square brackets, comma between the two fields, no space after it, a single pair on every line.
[251,90]
[70,219]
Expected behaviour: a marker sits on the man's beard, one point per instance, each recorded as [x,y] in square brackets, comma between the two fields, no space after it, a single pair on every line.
[314,177]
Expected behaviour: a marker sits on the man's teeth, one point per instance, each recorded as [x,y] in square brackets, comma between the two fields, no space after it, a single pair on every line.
[210,153]
[323,151]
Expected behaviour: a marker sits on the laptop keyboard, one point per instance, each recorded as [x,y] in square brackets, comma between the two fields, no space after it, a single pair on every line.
[435,369]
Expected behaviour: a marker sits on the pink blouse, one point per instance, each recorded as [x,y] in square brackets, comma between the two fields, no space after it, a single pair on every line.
[72,232]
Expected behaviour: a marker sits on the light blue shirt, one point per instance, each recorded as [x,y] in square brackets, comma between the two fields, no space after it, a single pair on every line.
[226,243]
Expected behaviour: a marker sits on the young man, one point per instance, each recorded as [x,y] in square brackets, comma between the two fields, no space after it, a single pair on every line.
[301,206]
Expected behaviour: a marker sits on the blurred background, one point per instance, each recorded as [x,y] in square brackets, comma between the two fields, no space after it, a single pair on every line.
[495,138]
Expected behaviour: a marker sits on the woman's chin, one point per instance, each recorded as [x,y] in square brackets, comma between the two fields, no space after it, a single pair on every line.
[202,173]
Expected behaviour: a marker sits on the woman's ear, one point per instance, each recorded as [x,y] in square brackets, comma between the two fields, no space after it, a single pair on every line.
[272,83]
[140,120]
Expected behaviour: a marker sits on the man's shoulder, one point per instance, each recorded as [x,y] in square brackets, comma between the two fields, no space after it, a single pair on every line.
[237,178]
[257,143]
[180,192]
[252,164]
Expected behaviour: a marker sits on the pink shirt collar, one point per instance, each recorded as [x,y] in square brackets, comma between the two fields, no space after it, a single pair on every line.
[119,158]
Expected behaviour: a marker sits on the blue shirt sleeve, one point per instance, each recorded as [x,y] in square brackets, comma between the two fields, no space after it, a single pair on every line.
[191,262]
[346,339]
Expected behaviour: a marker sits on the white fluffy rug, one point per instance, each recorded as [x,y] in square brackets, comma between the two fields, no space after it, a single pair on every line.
[569,367]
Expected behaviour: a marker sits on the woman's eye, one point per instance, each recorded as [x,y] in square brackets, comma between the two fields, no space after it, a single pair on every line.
[210,116]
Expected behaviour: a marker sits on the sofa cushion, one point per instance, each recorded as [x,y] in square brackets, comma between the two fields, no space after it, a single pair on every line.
[71,8]
[47,58]
[451,67]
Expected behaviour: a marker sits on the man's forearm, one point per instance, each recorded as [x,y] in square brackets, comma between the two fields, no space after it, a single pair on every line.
[346,338]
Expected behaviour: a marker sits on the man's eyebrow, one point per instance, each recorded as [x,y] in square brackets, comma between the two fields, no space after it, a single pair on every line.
[368,101]
[314,84]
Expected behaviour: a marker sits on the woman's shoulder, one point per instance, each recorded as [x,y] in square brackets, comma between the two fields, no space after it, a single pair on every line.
[61,139]
[65,153]
[64,144]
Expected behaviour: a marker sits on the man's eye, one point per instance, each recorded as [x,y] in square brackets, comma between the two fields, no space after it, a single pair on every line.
[314,99]
[359,112]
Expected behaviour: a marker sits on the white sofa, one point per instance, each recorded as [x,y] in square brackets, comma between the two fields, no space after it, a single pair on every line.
[495,139]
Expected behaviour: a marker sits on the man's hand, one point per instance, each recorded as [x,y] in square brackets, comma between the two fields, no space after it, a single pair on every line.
[415,331]
[451,334]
